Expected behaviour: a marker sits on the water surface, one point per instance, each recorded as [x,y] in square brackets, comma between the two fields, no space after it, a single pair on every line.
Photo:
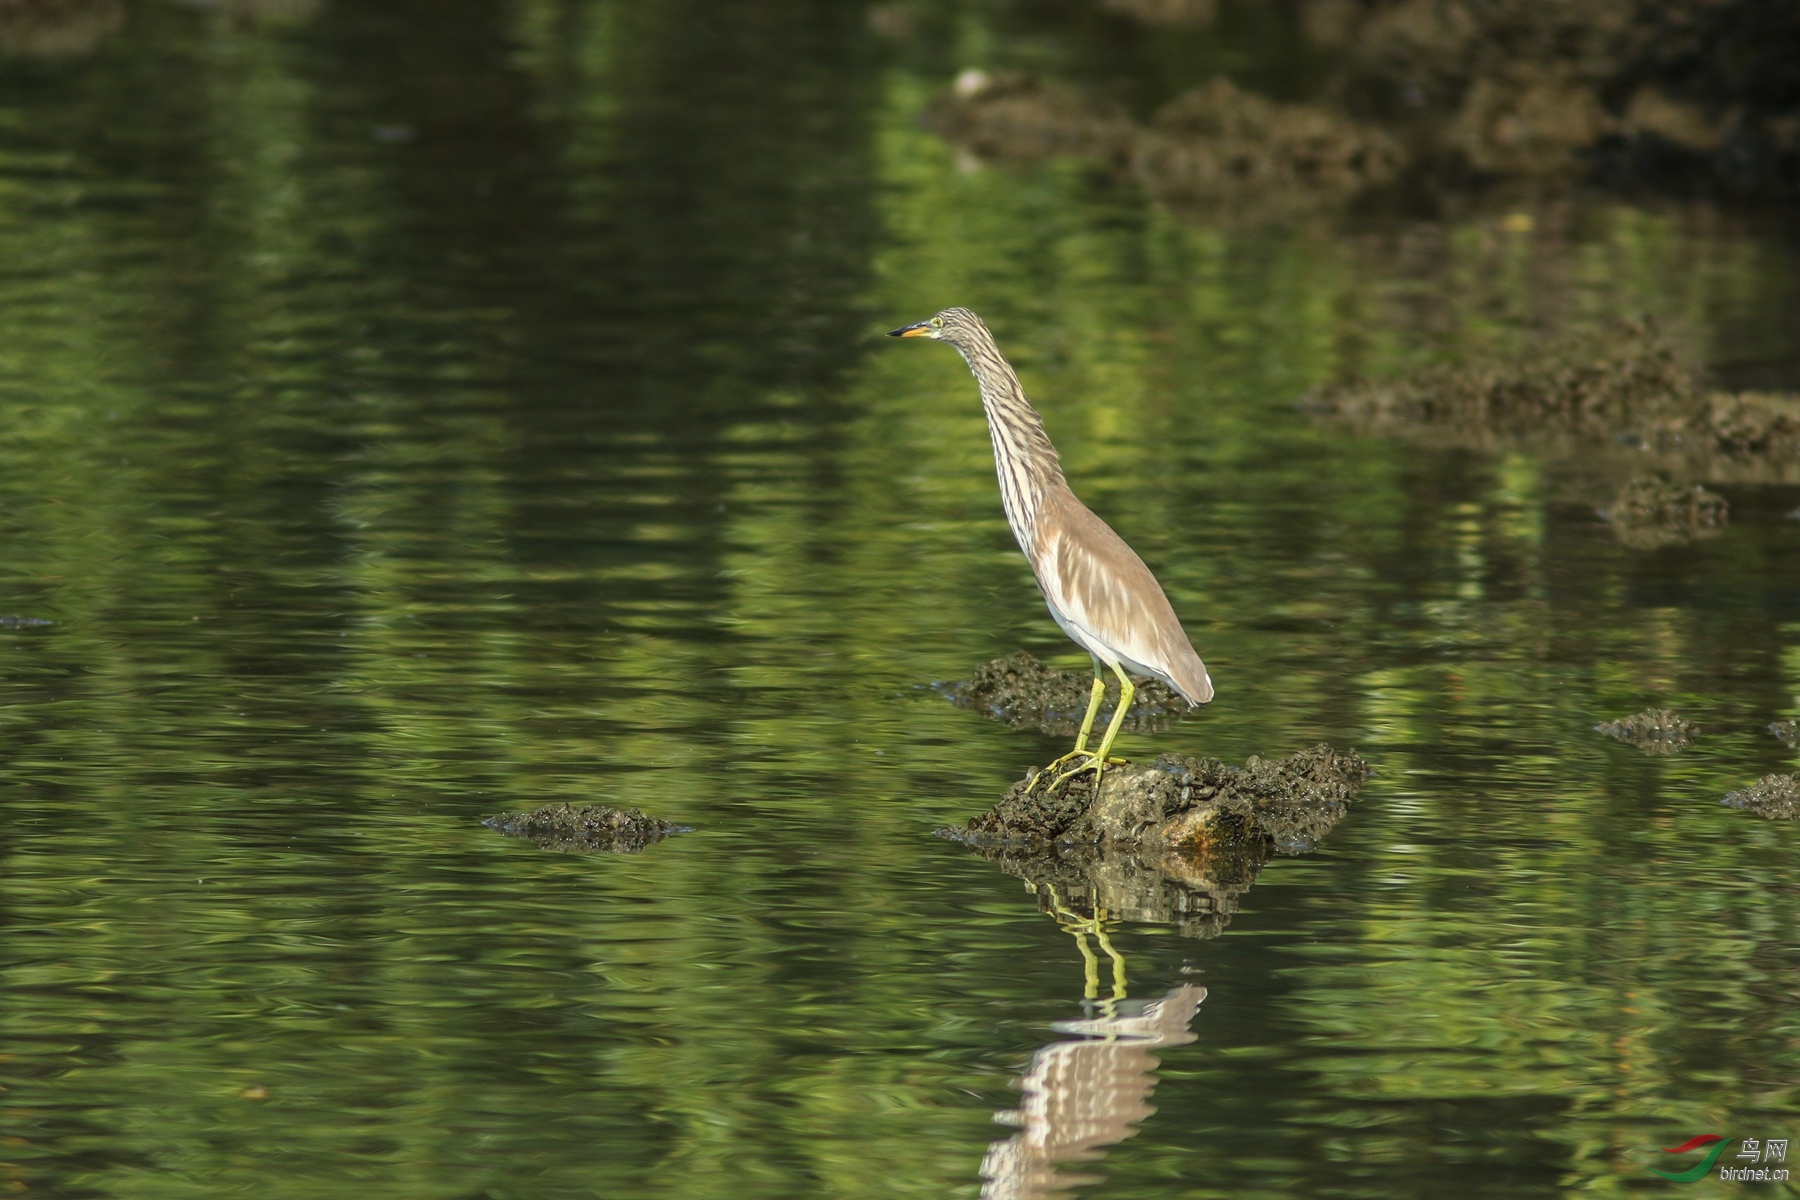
[410,412]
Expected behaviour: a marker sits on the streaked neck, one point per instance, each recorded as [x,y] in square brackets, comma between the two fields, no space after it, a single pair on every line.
[1025,461]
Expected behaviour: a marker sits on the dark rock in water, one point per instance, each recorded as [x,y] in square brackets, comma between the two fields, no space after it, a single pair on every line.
[1654,731]
[1174,843]
[1022,692]
[1287,804]
[590,827]
[12,621]
[1788,731]
[1624,387]
[1013,116]
[1776,797]
[1651,513]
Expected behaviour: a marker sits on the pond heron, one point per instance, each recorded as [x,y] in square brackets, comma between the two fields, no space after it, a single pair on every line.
[1098,589]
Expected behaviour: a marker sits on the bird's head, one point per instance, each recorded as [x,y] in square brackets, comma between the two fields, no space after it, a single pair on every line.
[958,326]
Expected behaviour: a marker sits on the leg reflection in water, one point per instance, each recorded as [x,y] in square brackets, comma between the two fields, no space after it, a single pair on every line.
[1083,1095]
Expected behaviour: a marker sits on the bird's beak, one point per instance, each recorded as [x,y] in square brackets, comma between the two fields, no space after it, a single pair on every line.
[922,329]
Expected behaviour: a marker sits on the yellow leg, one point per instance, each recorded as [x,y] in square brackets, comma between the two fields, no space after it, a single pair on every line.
[1127,693]
[1095,698]
[1097,760]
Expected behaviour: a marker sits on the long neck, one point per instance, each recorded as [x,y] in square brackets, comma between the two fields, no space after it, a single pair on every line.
[1024,459]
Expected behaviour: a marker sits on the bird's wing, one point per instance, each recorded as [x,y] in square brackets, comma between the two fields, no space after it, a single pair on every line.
[1099,584]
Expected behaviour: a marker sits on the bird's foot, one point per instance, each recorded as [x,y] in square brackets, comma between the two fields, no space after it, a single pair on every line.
[1085,760]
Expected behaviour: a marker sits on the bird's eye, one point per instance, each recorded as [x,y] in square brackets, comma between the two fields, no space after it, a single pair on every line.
[937,322]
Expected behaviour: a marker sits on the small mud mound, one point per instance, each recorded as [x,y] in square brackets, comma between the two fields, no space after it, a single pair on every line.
[1201,803]
[589,828]
[1631,382]
[1011,116]
[1175,843]
[1650,513]
[1788,731]
[1221,149]
[1776,797]
[1022,692]
[1654,731]
[1625,388]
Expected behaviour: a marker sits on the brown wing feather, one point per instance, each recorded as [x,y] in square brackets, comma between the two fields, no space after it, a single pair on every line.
[1101,584]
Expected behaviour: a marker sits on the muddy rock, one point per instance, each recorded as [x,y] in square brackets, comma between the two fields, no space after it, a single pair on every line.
[1014,116]
[1651,513]
[1776,797]
[587,828]
[1221,148]
[1624,391]
[1169,13]
[1175,843]
[1788,730]
[1654,731]
[1022,692]
[1180,804]
[57,28]
[1445,97]
[1631,384]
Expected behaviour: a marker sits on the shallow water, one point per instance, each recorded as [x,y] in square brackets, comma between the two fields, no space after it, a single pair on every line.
[409,413]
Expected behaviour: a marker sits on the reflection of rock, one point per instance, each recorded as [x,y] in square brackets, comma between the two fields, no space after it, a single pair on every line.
[1022,692]
[1776,797]
[1654,731]
[587,828]
[1788,731]
[1083,1095]
[1651,513]
[1193,890]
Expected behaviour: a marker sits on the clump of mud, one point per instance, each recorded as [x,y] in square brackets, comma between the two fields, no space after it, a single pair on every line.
[1624,391]
[1654,731]
[1012,116]
[1022,692]
[1174,843]
[56,28]
[1788,730]
[1222,148]
[1633,383]
[1451,96]
[1776,797]
[588,828]
[1651,513]
[1179,802]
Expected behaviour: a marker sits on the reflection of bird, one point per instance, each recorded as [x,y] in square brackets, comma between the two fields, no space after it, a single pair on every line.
[1080,1096]
[1099,591]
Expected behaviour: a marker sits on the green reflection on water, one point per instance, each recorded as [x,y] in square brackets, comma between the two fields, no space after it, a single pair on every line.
[412,415]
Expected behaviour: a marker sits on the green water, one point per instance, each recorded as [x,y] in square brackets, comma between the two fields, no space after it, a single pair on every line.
[410,412]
